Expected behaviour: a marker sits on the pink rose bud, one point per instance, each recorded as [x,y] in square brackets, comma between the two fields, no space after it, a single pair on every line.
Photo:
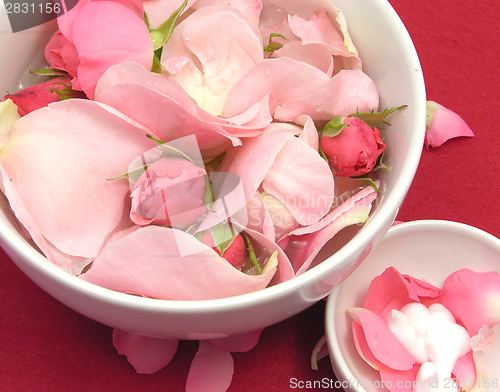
[351,146]
[443,124]
[236,253]
[40,95]
[170,192]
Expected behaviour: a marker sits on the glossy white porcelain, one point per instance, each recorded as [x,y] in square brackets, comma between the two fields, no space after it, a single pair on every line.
[389,58]
[428,250]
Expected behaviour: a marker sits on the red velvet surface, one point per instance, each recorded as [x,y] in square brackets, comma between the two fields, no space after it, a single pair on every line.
[45,346]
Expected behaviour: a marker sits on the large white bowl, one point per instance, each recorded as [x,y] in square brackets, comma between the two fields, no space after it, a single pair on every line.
[427,250]
[389,58]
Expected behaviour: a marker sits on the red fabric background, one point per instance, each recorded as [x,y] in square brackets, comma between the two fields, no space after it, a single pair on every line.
[48,347]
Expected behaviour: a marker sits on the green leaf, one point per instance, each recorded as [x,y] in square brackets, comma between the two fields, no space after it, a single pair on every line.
[368,181]
[209,193]
[162,33]
[47,72]
[333,127]
[156,68]
[376,119]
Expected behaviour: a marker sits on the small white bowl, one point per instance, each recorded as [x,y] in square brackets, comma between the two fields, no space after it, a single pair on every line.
[389,58]
[429,250]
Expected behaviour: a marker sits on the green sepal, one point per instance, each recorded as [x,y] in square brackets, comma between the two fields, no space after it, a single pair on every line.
[156,68]
[321,153]
[162,33]
[252,258]
[223,235]
[214,163]
[273,45]
[48,72]
[333,127]
[368,181]
[65,93]
[209,194]
[376,119]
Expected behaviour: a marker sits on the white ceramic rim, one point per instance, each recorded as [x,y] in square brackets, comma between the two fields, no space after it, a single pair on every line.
[364,237]
[341,370]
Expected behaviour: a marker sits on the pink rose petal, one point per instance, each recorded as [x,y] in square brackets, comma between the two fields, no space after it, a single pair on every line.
[382,343]
[473,298]
[302,180]
[211,370]
[465,370]
[348,92]
[67,192]
[399,381]
[443,124]
[284,78]
[249,8]
[427,293]
[225,47]
[390,284]
[314,54]
[145,353]
[305,243]
[165,263]
[158,11]
[237,344]
[363,348]
[101,41]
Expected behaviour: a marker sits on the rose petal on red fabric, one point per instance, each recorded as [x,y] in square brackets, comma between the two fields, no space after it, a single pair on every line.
[239,343]
[211,370]
[443,124]
[473,298]
[101,41]
[399,381]
[390,284]
[145,353]
[164,263]
[319,352]
[384,346]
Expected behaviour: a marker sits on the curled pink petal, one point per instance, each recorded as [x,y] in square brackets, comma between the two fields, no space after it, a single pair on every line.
[224,47]
[363,348]
[211,370]
[66,193]
[465,370]
[427,293]
[313,54]
[473,298]
[284,79]
[165,263]
[249,8]
[382,343]
[237,344]
[348,92]
[304,243]
[390,284]
[302,180]
[443,124]
[145,353]
[101,41]
[320,351]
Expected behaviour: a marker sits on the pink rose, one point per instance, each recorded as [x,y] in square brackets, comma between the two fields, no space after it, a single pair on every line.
[40,95]
[353,150]
[170,192]
[91,38]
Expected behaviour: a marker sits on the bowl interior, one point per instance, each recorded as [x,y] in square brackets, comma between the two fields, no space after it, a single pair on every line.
[427,250]
[389,58]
